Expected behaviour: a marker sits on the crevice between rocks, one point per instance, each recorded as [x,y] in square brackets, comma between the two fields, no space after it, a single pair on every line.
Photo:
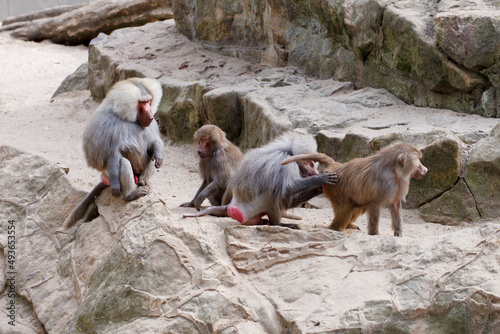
[474,198]
[439,194]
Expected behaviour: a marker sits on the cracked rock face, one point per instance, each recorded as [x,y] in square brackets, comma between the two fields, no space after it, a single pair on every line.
[428,53]
[138,267]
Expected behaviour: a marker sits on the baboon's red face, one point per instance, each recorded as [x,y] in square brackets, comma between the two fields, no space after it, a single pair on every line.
[307,168]
[144,113]
[204,147]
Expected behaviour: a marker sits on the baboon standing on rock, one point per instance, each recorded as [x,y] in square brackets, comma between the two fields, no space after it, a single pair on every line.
[261,185]
[218,160]
[122,141]
[366,184]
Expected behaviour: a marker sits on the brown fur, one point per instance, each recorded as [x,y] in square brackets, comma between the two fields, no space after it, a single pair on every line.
[366,184]
[218,160]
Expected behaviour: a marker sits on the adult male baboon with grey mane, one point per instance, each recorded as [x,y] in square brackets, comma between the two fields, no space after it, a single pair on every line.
[122,141]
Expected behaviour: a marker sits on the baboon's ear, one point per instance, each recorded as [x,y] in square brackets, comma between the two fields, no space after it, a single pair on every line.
[401,159]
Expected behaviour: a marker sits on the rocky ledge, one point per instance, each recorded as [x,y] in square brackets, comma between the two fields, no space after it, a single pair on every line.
[138,267]
[440,53]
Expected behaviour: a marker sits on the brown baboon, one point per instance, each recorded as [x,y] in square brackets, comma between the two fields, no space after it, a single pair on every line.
[262,186]
[218,159]
[122,141]
[366,184]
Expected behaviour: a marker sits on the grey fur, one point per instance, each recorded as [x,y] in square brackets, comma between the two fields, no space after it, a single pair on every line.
[113,141]
[262,185]
[266,161]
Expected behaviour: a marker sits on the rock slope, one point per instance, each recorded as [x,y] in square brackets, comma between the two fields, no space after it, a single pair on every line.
[139,267]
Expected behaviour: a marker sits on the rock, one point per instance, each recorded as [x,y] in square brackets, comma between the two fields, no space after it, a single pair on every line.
[488,101]
[357,283]
[469,37]
[343,148]
[179,113]
[428,54]
[453,207]
[134,261]
[24,19]
[483,174]
[224,108]
[187,70]
[79,24]
[77,81]
[28,200]
[139,267]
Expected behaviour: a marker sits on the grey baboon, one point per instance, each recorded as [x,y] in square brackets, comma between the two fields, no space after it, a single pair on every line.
[122,141]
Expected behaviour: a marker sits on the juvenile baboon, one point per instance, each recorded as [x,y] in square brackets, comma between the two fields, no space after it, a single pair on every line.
[218,159]
[262,186]
[366,184]
[122,141]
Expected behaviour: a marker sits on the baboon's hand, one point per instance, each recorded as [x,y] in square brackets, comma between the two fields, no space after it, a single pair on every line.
[142,183]
[329,178]
[115,192]
[187,205]
[197,203]
[158,162]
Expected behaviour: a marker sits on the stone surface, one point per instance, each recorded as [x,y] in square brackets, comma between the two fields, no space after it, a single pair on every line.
[482,174]
[358,283]
[78,81]
[436,54]
[452,207]
[139,267]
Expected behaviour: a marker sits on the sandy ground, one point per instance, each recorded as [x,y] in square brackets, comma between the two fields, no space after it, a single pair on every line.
[31,72]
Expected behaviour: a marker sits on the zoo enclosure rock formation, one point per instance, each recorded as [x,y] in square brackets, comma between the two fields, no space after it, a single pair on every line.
[253,104]
[138,267]
[442,54]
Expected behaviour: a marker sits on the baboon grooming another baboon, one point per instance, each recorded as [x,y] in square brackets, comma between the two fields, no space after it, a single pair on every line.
[260,185]
[366,184]
[218,159]
[122,141]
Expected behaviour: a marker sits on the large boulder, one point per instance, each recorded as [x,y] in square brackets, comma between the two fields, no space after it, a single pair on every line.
[186,70]
[429,54]
[140,267]
[483,174]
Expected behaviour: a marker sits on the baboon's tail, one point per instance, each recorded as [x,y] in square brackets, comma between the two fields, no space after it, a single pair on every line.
[83,205]
[218,211]
[319,157]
